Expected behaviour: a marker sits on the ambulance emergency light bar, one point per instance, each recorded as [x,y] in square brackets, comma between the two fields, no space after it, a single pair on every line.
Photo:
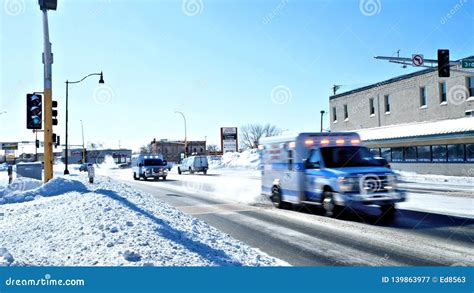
[337,141]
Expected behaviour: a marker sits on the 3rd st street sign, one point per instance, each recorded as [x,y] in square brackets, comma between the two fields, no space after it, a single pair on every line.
[468,63]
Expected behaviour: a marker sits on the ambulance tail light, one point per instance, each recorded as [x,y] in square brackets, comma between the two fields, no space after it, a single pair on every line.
[339,141]
[355,141]
[325,141]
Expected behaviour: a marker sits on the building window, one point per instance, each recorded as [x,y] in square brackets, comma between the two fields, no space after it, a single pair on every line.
[439,153]
[455,153]
[375,152]
[422,96]
[334,114]
[386,153]
[371,106]
[470,152]
[386,99]
[424,153]
[397,154]
[410,154]
[442,92]
[470,85]
[346,113]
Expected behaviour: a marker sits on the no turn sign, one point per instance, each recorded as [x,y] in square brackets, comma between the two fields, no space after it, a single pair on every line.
[417,59]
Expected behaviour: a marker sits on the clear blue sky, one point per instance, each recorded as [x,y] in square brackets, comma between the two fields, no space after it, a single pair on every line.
[219,67]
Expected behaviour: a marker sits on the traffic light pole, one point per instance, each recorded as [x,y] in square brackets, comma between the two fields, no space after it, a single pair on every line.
[48,98]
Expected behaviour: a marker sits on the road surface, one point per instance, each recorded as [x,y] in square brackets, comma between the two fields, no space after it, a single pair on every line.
[304,237]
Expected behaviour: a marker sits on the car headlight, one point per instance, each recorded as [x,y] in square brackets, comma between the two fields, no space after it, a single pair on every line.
[346,183]
[392,181]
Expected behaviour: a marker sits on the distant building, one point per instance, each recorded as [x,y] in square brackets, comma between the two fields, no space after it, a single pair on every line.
[98,156]
[172,150]
[418,122]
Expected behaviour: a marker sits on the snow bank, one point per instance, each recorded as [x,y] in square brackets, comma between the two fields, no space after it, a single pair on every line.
[111,224]
[26,189]
[248,159]
[436,179]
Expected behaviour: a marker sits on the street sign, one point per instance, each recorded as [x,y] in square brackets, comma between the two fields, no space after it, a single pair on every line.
[229,138]
[12,146]
[417,59]
[467,63]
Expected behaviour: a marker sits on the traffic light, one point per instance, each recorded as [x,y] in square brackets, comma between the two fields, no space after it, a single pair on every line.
[54,113]
[37,143]
[57,142]
[443,63]
[34,111]
[48,4]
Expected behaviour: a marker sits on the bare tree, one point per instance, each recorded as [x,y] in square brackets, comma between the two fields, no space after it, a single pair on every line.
[250,134]
[93,151]
[212,148]
[146,149]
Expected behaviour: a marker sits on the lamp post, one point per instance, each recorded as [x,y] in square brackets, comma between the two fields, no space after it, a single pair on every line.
[83,148]
[101,81]
[185,135]
[322,114]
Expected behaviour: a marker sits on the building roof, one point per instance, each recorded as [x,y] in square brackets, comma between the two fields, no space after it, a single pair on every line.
[391,80]
[419,129]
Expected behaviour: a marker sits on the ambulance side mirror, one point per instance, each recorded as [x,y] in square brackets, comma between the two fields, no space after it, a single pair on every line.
[311,165]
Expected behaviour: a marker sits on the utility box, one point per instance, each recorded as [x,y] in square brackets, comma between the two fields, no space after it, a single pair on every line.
[30,170]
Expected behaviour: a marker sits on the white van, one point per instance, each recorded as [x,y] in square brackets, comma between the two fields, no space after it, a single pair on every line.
[149,166]
[194,164]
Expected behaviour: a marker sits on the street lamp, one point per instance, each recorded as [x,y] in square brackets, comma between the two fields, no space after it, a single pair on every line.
[185,135]
[101,81]
[83,148]
[322,114]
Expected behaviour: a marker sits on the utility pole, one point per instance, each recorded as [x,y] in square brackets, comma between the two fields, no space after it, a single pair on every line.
[83,146]
[48,101]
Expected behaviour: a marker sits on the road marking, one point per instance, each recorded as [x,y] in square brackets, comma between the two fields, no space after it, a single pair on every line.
[216,208]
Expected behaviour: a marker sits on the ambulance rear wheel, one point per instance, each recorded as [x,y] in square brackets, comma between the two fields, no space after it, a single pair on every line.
[277,201]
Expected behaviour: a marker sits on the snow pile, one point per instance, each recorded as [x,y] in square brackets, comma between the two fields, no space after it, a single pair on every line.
[111,224]
[26,189]
[248,159]
[108,163]
[436,179]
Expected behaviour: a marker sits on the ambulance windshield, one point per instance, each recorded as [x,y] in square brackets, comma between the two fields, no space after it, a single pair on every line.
[348,156]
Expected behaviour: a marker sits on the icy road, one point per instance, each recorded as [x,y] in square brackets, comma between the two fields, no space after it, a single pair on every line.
[430,230]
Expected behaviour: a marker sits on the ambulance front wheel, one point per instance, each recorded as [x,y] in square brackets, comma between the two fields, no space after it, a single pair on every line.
[330,208]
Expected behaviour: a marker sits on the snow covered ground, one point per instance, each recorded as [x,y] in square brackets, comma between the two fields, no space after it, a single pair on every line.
[68,222]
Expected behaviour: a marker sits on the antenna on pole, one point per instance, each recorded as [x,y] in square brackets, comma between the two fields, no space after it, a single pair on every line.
[335,88]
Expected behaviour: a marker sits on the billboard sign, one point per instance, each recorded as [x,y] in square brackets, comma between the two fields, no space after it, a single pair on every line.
[229,141]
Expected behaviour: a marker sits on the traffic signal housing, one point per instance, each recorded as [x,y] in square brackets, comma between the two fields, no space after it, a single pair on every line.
[48,4]
[54,112]
[443,63]
[34,111]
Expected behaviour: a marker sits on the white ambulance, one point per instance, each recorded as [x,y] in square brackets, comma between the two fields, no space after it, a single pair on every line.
[328,169]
